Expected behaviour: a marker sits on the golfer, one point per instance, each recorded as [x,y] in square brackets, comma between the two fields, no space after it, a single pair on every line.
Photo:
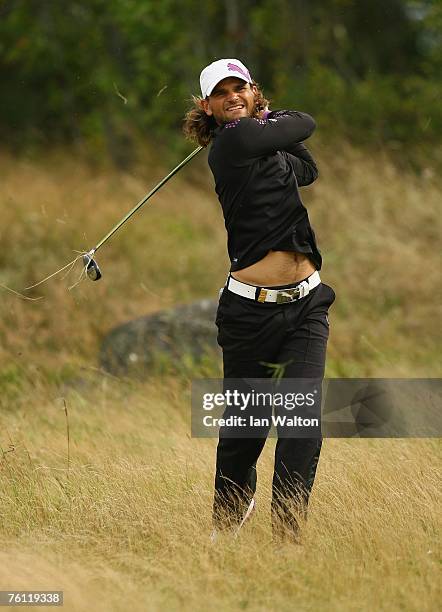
[273,308]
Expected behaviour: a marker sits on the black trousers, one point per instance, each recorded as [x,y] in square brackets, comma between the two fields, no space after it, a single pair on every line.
[252,335]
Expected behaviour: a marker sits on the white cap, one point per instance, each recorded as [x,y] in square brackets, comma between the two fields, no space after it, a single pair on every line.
[219,70]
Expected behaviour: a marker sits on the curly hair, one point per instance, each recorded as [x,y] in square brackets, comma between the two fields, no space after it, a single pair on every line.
[199,127]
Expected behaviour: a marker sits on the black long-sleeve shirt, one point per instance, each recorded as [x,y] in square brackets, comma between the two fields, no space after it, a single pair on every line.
[258,165]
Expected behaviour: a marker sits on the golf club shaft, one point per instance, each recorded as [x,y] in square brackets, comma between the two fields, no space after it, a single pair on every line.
[144,200]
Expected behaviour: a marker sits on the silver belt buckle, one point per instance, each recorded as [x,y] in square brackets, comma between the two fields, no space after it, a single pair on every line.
[288,295]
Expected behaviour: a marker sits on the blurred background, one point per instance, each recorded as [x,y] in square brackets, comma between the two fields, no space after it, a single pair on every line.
[103,74]
[92,102]
[104,493]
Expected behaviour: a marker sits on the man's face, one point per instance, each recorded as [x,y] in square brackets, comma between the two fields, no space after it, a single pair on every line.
[231,99]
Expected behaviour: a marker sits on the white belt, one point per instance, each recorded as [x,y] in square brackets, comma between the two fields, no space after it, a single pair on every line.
[280,296]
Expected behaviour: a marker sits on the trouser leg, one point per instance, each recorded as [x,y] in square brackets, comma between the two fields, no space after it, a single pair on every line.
[236,457]
[235,479]
[296,458]
[296,461]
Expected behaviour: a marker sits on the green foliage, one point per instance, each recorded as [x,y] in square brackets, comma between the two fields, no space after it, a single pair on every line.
[104,73]
[12,379]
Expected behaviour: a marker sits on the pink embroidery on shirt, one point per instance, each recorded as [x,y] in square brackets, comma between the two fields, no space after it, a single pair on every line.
[232,124]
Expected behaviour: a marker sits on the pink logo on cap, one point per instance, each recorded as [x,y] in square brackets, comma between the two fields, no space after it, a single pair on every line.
[235,68]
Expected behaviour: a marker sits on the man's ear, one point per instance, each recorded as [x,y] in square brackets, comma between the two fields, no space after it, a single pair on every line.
[205,106]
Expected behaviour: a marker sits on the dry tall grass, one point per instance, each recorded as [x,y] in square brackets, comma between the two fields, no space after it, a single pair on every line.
[125,524]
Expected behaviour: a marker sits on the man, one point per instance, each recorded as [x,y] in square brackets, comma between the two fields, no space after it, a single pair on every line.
[273,308]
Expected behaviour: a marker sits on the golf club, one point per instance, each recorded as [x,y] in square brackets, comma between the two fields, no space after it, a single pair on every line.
[92,270]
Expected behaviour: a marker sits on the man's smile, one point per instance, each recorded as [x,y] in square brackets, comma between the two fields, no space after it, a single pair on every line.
[235,107]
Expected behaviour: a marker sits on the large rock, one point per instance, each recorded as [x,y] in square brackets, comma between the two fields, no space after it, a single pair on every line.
[137,346]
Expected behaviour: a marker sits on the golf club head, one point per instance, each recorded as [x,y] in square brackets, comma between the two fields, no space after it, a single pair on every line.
[92,269]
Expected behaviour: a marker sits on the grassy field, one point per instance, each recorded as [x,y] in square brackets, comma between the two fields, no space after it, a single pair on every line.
[118,514]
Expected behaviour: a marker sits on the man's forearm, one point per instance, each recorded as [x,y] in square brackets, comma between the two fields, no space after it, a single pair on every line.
[304,165]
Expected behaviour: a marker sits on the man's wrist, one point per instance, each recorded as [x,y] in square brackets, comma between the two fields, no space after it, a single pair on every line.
[277,113]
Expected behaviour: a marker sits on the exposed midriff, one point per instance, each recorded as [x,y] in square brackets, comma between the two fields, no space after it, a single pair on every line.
[276,268]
